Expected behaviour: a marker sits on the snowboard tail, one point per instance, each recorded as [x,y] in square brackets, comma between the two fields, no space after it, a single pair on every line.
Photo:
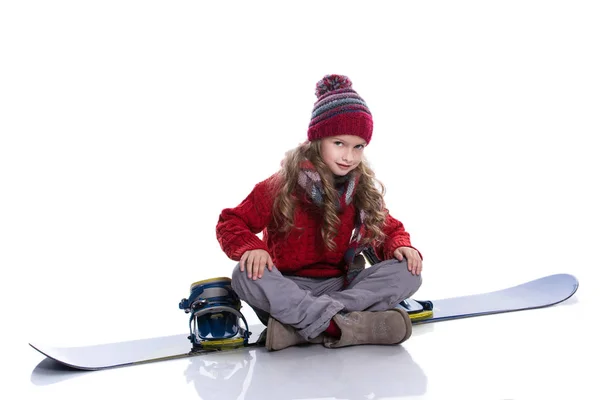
[111,355]
[543,292]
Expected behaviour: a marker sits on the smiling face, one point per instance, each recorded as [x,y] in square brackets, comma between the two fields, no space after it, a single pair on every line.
[342,153]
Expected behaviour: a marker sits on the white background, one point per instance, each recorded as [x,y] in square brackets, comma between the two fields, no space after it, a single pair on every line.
[127,126]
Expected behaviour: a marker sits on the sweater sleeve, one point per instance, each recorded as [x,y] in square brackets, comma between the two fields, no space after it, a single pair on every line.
[396,236]
[237,227]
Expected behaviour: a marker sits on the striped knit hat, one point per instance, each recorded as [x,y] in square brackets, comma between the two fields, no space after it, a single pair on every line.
[339,110]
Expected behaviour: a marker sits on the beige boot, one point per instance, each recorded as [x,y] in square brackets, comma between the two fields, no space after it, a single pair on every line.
[280,336]
[371,327]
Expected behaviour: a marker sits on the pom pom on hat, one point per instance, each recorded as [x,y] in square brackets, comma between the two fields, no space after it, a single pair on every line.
[339,110]
[332,82]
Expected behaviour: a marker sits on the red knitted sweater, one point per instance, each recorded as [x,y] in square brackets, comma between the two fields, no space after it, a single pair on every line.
[302,252]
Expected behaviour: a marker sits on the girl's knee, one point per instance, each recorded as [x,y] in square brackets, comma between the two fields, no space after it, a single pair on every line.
[237,279]
[245,286]
[404,277]
[236,272]
[252,291]
[417,281]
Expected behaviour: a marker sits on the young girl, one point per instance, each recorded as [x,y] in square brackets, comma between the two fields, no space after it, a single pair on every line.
[306,279]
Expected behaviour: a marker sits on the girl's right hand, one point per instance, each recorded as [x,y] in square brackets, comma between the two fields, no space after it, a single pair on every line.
[254,261]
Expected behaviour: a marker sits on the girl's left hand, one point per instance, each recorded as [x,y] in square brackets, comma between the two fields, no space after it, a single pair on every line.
[415,264]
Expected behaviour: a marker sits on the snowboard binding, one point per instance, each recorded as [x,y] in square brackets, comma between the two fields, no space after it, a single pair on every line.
[215,315]
[417,310]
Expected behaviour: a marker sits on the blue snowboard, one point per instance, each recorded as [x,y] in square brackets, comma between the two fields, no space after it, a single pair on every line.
[538,293]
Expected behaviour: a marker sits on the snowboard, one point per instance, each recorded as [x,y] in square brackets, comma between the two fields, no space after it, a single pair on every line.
[542,292]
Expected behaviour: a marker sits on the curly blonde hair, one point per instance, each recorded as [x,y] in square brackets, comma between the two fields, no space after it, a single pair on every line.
[367,197]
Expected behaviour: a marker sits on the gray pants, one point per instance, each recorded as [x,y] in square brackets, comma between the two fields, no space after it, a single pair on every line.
[309,304]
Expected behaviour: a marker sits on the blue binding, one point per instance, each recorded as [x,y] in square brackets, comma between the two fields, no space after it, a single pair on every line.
[226,325]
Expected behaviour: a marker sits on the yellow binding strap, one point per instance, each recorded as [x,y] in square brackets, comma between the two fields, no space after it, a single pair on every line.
[421,315]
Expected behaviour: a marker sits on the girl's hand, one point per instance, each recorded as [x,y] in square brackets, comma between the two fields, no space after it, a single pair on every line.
[415,264]
[254,261]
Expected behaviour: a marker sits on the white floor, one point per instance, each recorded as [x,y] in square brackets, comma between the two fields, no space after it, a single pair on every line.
[127,126]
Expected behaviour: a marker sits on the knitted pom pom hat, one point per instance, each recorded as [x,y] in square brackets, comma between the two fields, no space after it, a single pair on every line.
[339,110]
